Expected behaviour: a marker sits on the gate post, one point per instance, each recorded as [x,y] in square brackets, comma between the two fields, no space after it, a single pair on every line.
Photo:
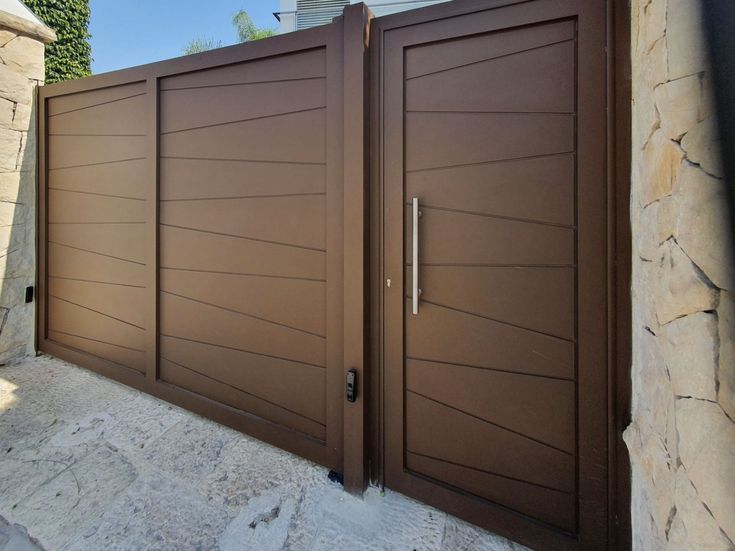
[151,233]
[356,36]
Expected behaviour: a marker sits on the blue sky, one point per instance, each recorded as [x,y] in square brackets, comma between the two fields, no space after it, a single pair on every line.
[133,32]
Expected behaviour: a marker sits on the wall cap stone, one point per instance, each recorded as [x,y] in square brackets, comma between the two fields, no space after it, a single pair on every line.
[27,27]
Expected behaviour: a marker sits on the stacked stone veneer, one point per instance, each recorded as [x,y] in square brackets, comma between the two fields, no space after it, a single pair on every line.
[682,438]
[21,70]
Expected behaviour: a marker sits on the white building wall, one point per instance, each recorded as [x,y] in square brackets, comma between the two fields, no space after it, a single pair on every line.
[289,11]
[385,7]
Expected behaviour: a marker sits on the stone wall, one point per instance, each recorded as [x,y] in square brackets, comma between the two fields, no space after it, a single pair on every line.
[682,438]
[21,70]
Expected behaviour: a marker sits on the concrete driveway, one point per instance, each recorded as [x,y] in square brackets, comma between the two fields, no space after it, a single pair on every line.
[86,464]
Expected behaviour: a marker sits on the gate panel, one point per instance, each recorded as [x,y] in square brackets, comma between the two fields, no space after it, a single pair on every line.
[96,219]
[226,296]
[493,121]
[221,135]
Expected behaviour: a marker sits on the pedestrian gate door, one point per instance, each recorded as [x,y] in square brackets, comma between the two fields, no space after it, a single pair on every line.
[494,193]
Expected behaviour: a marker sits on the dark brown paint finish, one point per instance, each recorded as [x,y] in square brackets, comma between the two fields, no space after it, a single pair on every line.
[217,230]
[192,233]
[493,116]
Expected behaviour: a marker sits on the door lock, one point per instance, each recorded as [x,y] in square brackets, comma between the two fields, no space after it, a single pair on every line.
[351,386]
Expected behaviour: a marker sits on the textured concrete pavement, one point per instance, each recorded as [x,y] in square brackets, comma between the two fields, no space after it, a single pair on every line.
[87,464]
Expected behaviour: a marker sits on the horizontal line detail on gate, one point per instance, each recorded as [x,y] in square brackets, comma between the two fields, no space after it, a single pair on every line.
[494,369]
[490,112]
[520,480]
[265,161]
[261,117]
[243,350]
[498,216]
[95,340]
[516,52]
[532,439]
[96,104]
[100,163]
[92,223]
[88,353]
[265,320]
[163,90]
[244,392]
[509,159]
[473,265]
[97,312]
[98,253]
[99,282]
[62,135]
[509,324]
[95,193]
[247,238]
[242,197]
[242,274]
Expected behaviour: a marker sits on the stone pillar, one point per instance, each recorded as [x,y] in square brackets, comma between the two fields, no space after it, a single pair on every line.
[682,437]
[21,70]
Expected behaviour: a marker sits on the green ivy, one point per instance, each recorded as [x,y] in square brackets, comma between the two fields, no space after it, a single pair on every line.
[71,55]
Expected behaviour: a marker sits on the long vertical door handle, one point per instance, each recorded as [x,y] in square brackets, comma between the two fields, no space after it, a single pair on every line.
[415,263]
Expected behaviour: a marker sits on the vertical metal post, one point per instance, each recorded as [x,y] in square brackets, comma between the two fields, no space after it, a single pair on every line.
[151,234]
[355,96]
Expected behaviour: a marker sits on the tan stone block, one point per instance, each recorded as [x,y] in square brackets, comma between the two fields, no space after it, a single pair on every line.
[651,69]
[10,142]
[702,225]
[25,55]
[644,119]
[645,276]
[646,232]
[680,288]
[707,451]
[653,400]
[650,72]
[685,38]
[655,68]
[667,217]
[651,438]
[726,373]
[636,14]
[690,348]
[9,186]
[27,154]
[678,103]
[23,118]
[11,213]
[7,112]
[654,23]
[15,86]
[693,527]
[658,167]
[702,146]
[6,36]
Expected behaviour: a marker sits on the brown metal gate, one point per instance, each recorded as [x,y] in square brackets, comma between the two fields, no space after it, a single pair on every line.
[192,245]
[203,236]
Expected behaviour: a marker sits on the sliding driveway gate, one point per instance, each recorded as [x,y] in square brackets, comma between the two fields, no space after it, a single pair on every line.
[205,237]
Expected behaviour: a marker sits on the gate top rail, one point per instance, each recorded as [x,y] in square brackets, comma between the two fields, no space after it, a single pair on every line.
[228,55]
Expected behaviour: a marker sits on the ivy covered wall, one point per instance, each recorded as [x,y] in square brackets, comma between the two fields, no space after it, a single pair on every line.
[71,55]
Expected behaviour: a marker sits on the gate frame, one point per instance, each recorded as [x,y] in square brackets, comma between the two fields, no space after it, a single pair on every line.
[619,323]
[361,448]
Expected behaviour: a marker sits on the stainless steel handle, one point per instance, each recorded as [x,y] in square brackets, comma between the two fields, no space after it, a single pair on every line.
[415,288]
